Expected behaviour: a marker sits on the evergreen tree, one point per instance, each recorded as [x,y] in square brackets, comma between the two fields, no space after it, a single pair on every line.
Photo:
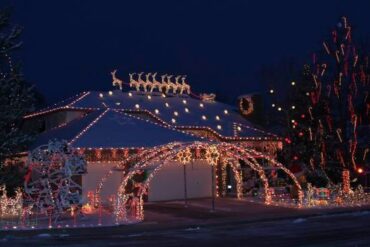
[328,108]
[16,100]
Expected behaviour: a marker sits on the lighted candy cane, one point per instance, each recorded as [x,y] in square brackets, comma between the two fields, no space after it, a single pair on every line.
[334,33]
[312,163]
[328,87]
[365,153]
[348,32]
[323,66]
[340,78]
[310,132]
[344,21]
[339,133]
[355,61]
[326,47]
[315,80]
[337,56]
[340,157]
[342,49]
[310,112]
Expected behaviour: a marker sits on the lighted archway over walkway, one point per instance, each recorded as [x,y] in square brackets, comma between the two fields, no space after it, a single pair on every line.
[130,201]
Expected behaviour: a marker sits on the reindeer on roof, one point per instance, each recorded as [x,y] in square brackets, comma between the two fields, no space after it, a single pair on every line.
[147,83]
[140,81]
[133,82]
[155,83]
[184,86]
[115,80]
[164,85]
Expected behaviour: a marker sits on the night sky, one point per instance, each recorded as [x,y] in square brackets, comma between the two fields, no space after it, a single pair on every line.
[71,46]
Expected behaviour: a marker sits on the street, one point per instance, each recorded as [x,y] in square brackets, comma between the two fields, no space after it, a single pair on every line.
[168,225]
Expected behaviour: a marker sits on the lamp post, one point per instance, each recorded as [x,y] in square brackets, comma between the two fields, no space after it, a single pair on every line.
[213,187]
[185,187]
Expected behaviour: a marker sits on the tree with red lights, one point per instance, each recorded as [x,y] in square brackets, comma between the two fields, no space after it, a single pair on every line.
[328,110]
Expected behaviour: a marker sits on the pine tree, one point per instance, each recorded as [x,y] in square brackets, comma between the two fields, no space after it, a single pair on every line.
[328,107]
[16,100]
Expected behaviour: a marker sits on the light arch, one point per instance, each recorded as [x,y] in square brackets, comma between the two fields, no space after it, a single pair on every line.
[168,152]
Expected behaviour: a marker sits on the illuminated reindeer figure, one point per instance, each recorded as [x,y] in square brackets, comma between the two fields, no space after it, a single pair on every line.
[147,83]
[115,80]
[155,83]
[133,82]
[140,81]
[177,84]
[184,86]
[164,86]
[170,84]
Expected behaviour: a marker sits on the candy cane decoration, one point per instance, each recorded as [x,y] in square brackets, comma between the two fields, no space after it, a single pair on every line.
[344,21]
[348,35]
[355,61]
[310,133]
[365,153]
[326,47]
[328,87]
[310,112]
[339,133]
[342,48]
[315,80]
[337,56]
[323,66]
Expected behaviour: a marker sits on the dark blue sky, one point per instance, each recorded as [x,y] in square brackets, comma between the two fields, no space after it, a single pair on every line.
[72,45]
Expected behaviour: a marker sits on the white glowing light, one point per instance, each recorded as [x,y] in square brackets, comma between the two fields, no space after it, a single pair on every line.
[186,110]
[201,105]
[184,101]
[130,94]
[218,118]
[204,117]
[173,120]
[293,107]
[110,93]
[279,109]
[137,106]
[293,83]
[149,97]
[226,112]
[167,105]
[163,95]
[175,113]
[219,127]
[118,103]
[156,111]
[101,95]
[271,90]
[239,128]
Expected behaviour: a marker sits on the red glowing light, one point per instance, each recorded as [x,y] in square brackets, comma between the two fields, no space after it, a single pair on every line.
[360,170]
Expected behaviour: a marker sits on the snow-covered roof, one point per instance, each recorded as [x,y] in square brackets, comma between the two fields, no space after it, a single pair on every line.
[170,112]
[112,129]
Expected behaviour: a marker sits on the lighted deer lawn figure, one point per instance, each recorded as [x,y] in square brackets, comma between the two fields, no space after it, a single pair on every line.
[155,83]
[140,81]
[170,84]
[184,86]
[164,85]
[147,83]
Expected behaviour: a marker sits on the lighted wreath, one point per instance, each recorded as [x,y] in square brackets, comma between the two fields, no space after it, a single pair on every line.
[184,156]
[212,155]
